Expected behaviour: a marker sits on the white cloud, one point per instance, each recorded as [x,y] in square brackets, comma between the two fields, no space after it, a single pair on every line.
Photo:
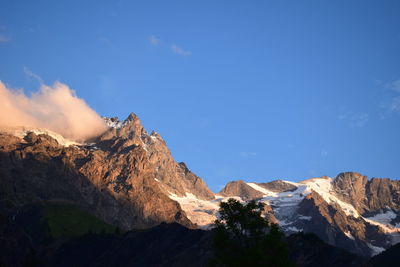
[248,154]
[355,119]
[392,102]
[154,40]
[395,85]
[324,152]
[56,108]
[180,51]
[29,73]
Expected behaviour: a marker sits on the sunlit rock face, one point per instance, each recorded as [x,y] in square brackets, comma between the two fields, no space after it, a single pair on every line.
[128,178]
[240,189]
[125,176]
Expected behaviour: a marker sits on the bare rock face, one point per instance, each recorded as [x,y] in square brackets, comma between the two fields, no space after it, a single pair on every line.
[382,193]
[278,186]
[194,184]
[333,226]
[367,196]
[350,187]
[269,215]
[173,177]
[240,189]
[124,177]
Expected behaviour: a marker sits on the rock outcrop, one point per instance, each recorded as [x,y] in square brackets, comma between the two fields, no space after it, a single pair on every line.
[368,196]
[124,177]
[240,189]
[333,226]
[278,186]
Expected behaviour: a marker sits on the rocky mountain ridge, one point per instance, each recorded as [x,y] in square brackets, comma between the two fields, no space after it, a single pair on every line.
[348,211]
[128,178]
[123,177]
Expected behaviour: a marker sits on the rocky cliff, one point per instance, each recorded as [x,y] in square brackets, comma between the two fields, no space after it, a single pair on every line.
[124,177]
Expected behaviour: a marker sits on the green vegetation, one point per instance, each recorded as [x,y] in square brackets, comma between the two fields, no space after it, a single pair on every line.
[69,221]
[242,237]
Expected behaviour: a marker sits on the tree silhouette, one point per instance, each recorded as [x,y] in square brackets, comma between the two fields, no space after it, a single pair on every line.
[242,237]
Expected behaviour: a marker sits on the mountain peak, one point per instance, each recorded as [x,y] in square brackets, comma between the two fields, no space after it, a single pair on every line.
[241,189]
[132,117]
[353,176]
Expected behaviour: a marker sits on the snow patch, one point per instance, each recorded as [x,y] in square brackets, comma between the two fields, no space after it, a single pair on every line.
[349,235]
[201,212]
[284,223]
[323,186]
[261,189]
[294,229]
[307,218]
[384,217]
[375,250]
[113,123]
[385,228]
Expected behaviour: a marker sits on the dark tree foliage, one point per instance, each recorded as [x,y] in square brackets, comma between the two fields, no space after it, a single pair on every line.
[242,237]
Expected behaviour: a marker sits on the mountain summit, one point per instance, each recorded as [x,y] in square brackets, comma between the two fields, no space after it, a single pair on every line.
[123,177]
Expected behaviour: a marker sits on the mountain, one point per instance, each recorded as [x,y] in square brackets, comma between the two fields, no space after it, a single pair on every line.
[127,178]
[124,177]
[349,211]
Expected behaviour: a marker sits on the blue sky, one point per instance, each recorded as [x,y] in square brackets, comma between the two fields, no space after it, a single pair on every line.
[253,90]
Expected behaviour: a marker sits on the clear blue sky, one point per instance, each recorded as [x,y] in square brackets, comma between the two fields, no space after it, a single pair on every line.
[253,90]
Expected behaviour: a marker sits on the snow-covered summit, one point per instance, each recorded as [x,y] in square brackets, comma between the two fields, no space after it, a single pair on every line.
[113,122]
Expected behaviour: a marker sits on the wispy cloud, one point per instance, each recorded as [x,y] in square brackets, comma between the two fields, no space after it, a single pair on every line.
[30,74]
[180,51]
[395,85]
[391,103]
[248,154]
[154,40]
[4,38]
[324,152]
[355,119]
[394,104]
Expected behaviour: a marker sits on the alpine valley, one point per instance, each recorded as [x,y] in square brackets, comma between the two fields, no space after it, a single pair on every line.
[126,180]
